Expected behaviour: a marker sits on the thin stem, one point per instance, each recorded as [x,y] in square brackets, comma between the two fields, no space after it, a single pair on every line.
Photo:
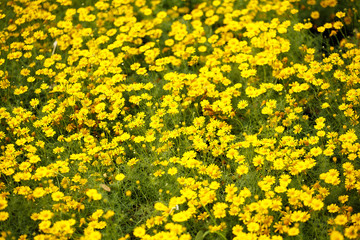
[214,221]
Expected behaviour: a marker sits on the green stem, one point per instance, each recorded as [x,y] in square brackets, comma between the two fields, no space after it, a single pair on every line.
[221,235]
[212,218]
[214,221]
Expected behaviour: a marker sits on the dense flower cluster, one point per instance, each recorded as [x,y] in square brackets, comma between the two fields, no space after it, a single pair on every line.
[134,119]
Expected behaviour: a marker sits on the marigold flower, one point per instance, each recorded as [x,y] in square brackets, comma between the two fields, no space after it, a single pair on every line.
[139,232]
[4,216]
[335,235]
[317,204]
[315,15]
[253,227]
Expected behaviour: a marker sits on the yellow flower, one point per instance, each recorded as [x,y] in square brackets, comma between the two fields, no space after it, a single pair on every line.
[316,204]
[315,15]
[93,194]
[338,25]
[44,225]
[181,216]
[293,231]
[237,230]
[58,150]
[215,228]
[3,203]
[340,14]
[280,129]
[135,66]
[220,210]
[253,227]
[213,171]
[335,235]
[25,72]
[248,73]
[328,25]
[57,196]
[38,192]
[139,232]
[169,42]
[141,71]
[109,214]
[172,171]
[352,232]
[298,27]
[341,219]
[132,161]
[316,151]
[119,177]
[159,173]
[321,29]
[161,15]
[343,198]
[4,216]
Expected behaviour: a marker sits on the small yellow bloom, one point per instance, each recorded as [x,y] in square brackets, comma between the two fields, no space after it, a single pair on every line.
[119,177]
[93,194]
[341,219]
[253,227]
[172,171]
[321,29]
[4,216]
[317,204]
[57,196]
[340,14]
[338,25]
[315,15]
[293,231]
[335,235]
[139,232]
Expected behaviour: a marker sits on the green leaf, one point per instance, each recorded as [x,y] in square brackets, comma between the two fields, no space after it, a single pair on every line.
[199,235]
